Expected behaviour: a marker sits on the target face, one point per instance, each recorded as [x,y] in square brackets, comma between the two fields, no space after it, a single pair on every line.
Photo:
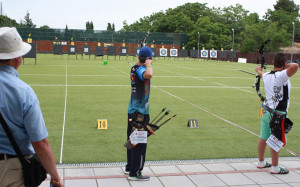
[204,53]
[173,52]
[213,54]
[163,52]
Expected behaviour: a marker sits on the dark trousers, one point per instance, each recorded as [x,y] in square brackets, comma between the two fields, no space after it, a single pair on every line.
[136,156]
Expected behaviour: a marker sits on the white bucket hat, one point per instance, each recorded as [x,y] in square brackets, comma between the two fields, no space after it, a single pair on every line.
[11,44]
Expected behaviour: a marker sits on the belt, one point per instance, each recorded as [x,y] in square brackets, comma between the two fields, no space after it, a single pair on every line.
[273,111]
[2,156]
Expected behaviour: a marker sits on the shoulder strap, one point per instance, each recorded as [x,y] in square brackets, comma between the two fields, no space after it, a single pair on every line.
[272,72]
[11,139]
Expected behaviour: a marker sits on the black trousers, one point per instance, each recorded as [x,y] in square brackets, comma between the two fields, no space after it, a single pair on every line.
[136,156]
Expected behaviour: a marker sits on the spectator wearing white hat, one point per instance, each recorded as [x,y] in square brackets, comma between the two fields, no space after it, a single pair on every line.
[20,109]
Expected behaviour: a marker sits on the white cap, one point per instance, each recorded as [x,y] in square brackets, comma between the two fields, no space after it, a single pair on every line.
[11,44]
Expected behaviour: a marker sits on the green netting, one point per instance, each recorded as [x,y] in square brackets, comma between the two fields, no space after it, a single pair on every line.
[102,36]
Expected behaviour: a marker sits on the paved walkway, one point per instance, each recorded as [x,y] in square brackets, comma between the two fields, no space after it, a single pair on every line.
[224,172]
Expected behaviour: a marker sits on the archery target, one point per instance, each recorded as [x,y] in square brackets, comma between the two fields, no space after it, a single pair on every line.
[163,52]
[213,54]
[173,52]
[72,49]
[204,53]
[99,50]
[123,51]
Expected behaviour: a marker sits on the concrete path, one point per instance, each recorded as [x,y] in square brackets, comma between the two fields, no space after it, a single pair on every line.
[223,172]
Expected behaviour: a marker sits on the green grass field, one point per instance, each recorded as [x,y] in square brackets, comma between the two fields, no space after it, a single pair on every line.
[215,93]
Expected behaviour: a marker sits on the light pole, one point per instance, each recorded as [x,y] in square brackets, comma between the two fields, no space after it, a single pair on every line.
[198,42]
[293,41]
[232,38]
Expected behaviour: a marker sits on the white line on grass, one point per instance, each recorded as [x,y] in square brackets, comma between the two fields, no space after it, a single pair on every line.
[119,70]
[221,118]
[64,121]
[215,115]
[79,85]
[60,75]
[201,79]
[118,85]
[158,76]
[225,86]
[101,85]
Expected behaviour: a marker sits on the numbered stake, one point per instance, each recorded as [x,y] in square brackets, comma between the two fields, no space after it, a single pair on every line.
[193,123]
[102,124]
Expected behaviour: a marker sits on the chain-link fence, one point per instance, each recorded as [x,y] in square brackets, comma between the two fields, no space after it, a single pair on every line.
[102,36]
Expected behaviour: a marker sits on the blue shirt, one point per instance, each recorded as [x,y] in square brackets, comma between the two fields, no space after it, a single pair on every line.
[21,110]
[140,91]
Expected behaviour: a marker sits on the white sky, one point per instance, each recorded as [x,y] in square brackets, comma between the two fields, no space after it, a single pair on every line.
[75,13]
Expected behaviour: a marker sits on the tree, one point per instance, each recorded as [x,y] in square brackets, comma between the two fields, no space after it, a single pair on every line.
[125,26]
[212,35]
[287,6]
[27,22]
[215,25]
[255,34]
[89,25]
[285,12]
[253,18]
[44,27]
[7,22]
[176,22]
[148,23]
[192,10]
[109,28]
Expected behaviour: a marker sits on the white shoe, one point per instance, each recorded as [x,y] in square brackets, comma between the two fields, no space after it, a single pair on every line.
[279,170]
[261,165]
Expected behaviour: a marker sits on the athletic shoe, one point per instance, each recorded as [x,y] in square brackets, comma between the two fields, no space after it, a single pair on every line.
[126,172]
[266,165]
[139,178]
[280,170]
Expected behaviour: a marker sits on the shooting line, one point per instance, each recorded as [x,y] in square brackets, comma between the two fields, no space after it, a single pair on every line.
[65,109]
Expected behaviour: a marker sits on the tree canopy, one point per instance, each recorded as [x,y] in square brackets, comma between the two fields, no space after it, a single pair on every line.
[110,27]
[27,22]
[89,25]
[7,22]
[213,27]
[217,26]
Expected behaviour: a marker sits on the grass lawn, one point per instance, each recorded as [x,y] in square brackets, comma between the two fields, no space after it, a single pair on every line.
[74,93]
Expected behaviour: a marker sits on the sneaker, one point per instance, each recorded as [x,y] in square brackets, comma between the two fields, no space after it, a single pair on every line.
[139,178]
[266,165]
[280,170]
[126,172]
